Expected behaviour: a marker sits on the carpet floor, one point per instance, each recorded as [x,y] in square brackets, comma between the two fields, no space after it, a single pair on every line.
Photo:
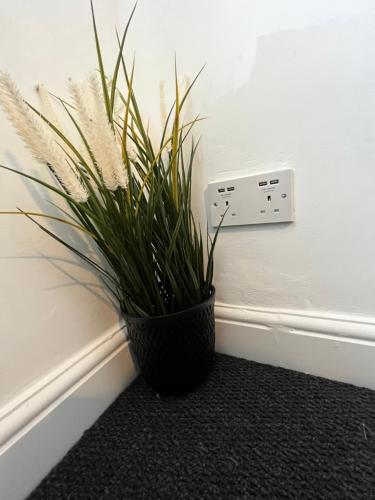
[251,431]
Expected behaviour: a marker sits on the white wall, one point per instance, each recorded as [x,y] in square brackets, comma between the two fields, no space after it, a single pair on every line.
[51,306]
[286,83]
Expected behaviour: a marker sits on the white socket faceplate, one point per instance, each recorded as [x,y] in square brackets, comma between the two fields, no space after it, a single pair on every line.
[254,199]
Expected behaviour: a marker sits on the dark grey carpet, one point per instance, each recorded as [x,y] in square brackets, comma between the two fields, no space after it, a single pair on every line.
[252,431]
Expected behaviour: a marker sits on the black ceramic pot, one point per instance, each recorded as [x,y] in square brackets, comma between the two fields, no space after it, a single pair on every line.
[174,352]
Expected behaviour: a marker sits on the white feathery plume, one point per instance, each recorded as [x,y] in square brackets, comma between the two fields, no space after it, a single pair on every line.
[38,138]
[98,132]
[188,114]
[163,114]
[118,105]
[163,110]
[132,153]
[186,83]
[82,102]
[111,159]
[46,107]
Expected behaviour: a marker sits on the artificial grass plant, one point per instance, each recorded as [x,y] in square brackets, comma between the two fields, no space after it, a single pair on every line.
[131,197]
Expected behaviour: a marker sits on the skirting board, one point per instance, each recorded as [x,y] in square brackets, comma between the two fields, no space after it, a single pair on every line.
[337,348]
[42,424]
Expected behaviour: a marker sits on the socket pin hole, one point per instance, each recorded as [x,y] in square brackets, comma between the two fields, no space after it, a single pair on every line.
[221,190]
[269,197]
[283,195]
[231,188]
[262,211]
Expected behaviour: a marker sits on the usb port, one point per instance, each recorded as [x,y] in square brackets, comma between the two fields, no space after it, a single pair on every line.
[263,183]
[221,190]
[274,181]
[230,188]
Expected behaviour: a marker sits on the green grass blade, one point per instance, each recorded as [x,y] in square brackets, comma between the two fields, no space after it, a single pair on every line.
[107,101]
[118,61]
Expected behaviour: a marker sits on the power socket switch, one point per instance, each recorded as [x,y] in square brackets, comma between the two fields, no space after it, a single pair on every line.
[256,199]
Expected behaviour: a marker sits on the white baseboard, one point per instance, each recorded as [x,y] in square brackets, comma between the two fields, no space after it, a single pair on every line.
[337,348]
[43,423]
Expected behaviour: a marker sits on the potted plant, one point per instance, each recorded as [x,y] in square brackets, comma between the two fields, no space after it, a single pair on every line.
[133,198]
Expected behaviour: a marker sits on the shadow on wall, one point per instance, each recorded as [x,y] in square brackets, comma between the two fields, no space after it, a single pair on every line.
[46,204]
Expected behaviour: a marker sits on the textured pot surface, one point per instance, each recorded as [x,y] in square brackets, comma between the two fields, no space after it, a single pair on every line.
[175,352]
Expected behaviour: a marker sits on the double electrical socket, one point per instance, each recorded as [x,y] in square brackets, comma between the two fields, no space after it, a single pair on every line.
[255,199]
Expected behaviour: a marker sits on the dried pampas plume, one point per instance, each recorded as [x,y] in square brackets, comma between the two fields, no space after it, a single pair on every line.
[39,139]
[100,136]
